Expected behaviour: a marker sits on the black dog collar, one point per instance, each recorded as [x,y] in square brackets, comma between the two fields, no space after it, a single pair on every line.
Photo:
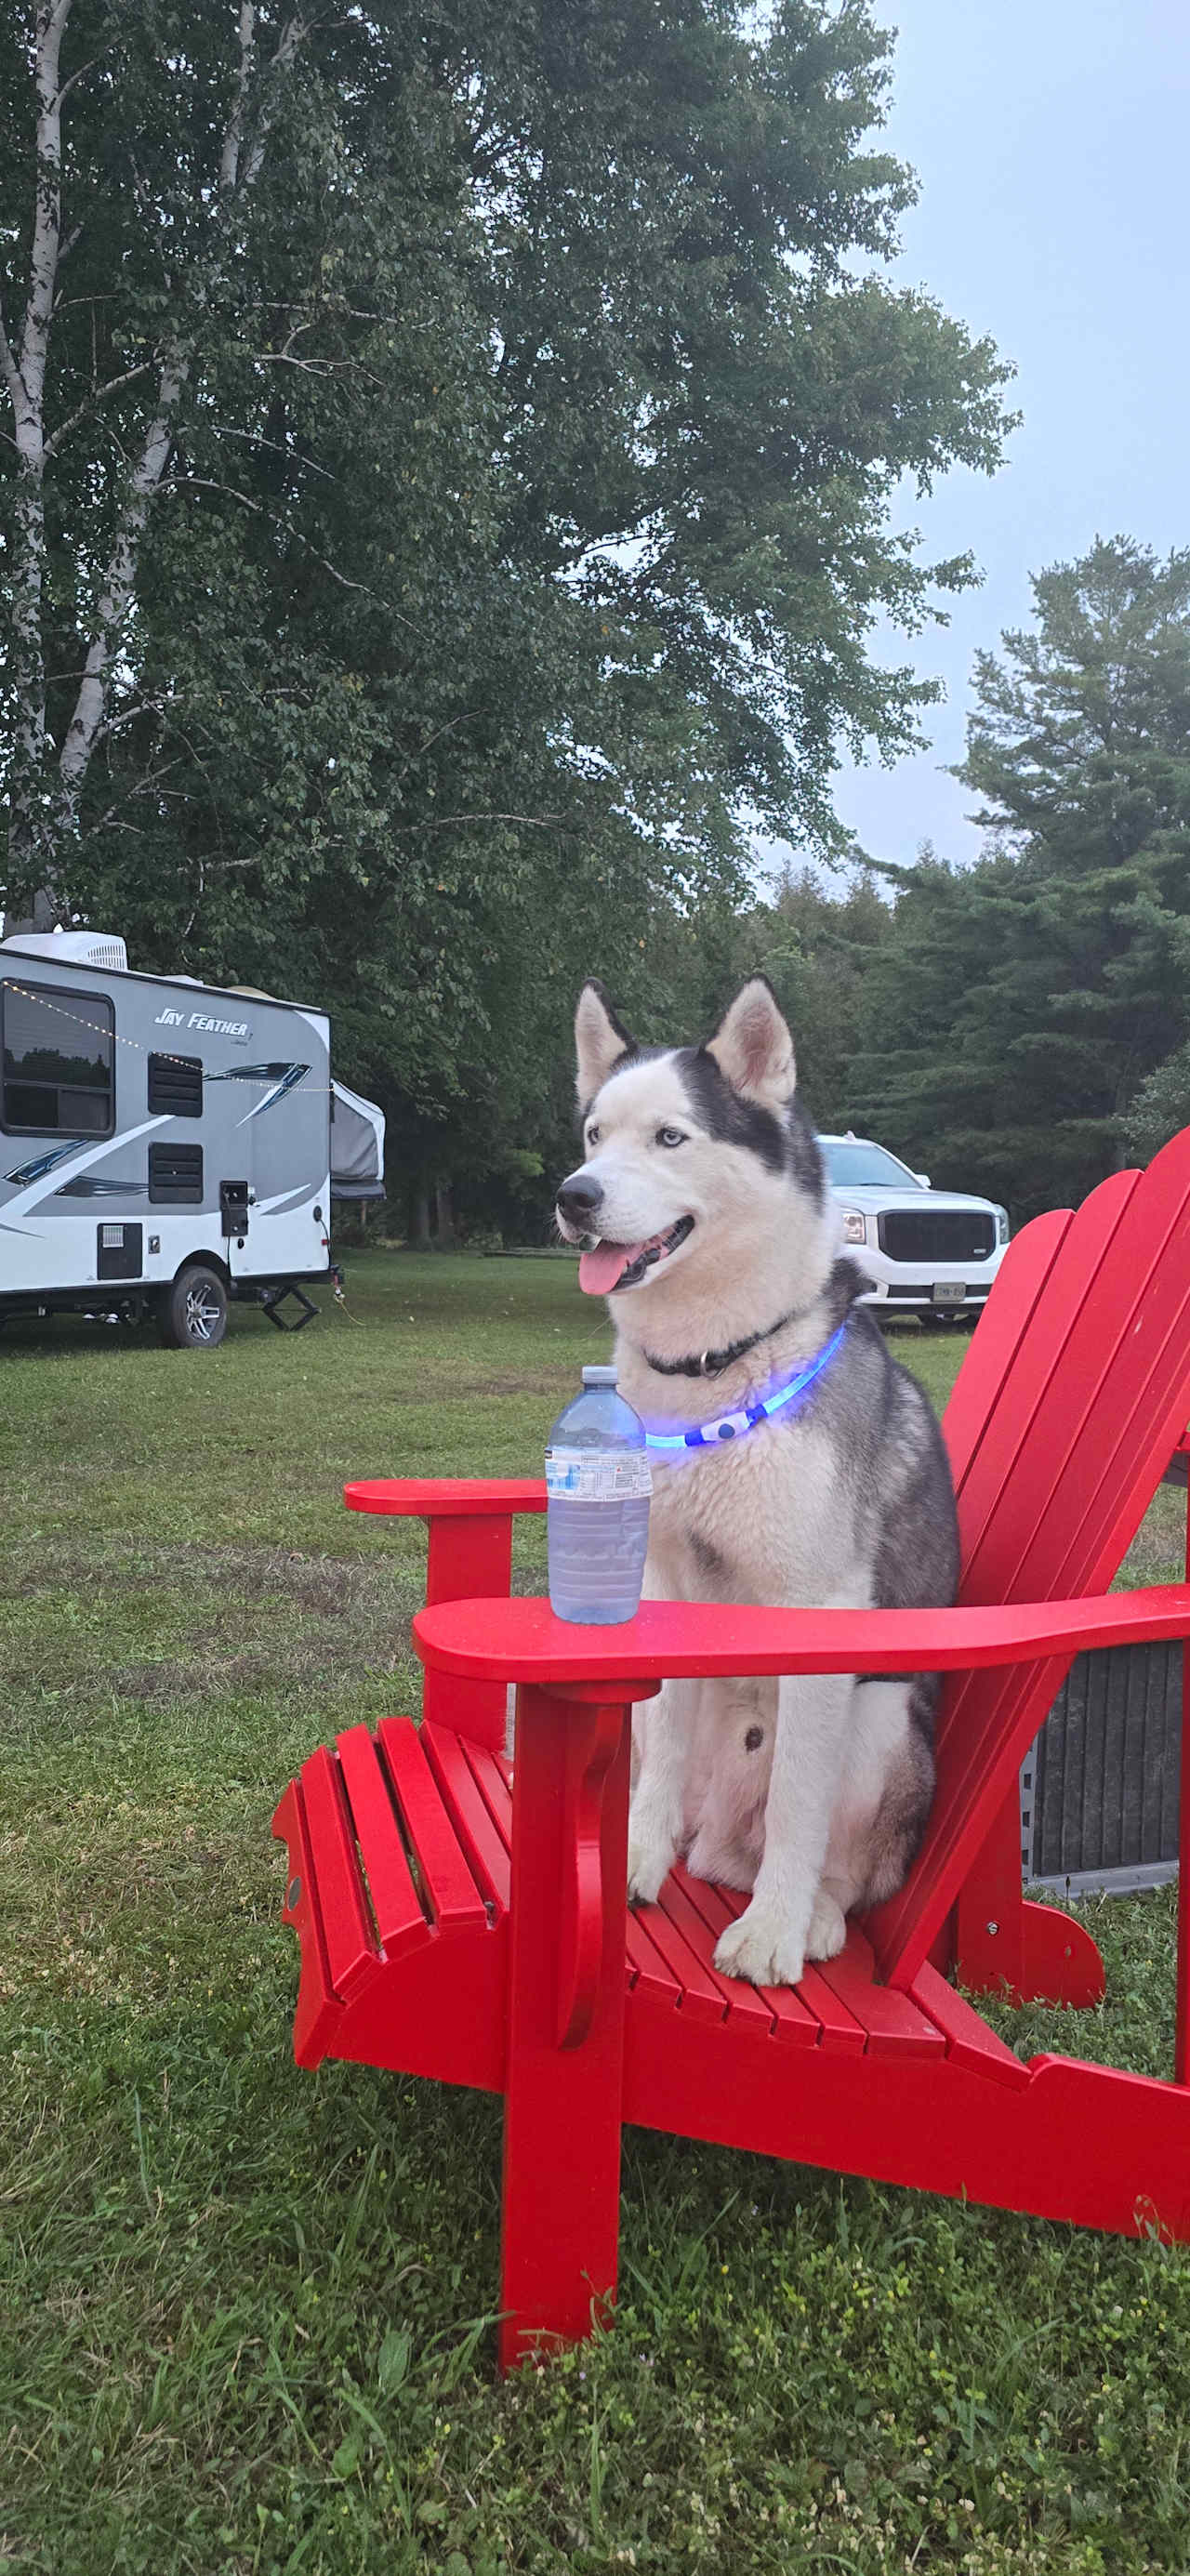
[713,1363]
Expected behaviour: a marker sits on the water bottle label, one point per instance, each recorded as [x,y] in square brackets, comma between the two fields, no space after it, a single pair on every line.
[597,1475]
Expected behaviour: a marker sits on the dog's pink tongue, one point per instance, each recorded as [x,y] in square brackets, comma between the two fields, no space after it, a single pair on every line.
[599,1269]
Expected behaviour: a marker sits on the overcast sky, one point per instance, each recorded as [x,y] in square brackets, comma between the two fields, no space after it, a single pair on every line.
[1051,140]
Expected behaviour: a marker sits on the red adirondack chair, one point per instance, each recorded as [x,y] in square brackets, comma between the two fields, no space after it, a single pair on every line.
[452,1927]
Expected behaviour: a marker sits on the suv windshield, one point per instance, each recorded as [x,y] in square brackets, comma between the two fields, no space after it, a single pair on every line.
[864,1167]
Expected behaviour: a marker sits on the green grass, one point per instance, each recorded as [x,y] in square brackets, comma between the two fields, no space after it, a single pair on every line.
[246,2313]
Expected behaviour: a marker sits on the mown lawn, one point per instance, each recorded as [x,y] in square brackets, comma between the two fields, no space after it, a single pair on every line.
[246,2321]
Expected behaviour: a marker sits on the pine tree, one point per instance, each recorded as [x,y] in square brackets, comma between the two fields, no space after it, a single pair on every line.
[1024,1002]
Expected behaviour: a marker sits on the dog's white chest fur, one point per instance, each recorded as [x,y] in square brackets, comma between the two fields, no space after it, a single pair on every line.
[759,1522]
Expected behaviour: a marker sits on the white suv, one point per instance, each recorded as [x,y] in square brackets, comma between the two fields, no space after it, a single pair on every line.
[927,1252]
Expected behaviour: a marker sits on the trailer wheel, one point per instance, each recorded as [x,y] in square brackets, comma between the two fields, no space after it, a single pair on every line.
[193,1313]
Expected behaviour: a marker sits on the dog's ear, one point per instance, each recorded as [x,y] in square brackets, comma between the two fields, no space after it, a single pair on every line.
[753,1048]
[600,1040]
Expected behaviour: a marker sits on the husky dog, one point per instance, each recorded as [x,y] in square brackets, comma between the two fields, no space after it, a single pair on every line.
[703,1203]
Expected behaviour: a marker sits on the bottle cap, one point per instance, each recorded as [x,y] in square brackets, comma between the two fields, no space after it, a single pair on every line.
[601,1376]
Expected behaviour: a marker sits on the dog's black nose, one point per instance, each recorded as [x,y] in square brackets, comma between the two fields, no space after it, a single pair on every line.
[579,1197]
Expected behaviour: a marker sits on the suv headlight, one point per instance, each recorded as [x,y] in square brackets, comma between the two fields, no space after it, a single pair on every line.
[854,1227]
[1001,1225]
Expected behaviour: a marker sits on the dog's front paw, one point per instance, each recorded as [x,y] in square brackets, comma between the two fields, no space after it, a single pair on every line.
[651,1857]
[761,1946]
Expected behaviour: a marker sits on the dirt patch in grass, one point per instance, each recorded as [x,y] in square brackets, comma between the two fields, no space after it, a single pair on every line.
[330,1586]
[194,1622]
[303,1652]
[536,1382]
[182,1678]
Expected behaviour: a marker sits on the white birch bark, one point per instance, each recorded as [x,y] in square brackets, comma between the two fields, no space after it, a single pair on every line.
[24,373]
[45,807]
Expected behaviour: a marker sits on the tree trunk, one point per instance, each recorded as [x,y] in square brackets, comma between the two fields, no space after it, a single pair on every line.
[446,1228]
[47,783]
[35,819]
[421,1217]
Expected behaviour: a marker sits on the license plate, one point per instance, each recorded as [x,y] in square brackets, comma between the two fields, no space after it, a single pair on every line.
[949,1292]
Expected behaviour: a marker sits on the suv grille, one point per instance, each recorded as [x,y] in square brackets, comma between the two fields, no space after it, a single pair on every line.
[937,1234]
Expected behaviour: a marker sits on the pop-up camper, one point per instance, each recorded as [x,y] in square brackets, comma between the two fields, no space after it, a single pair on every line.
[165,1145]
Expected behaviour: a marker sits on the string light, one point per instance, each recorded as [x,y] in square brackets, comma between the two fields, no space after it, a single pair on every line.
[32,993]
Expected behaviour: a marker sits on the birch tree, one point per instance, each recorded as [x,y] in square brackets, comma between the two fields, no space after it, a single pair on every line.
[47,774]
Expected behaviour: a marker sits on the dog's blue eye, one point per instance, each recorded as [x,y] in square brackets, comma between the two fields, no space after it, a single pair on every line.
[670,1136]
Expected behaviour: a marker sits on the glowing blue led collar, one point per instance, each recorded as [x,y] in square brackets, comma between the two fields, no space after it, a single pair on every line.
[729,1426]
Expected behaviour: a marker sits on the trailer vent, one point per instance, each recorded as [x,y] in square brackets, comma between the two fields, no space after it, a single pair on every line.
[175,1085]
[175,1175]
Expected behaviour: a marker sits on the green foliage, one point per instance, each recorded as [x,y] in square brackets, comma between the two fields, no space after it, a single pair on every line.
[526,509]
[818,952]
[1020,1005]
[1161,1107]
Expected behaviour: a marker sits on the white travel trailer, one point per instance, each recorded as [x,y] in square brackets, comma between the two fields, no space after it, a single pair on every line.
[166,1146]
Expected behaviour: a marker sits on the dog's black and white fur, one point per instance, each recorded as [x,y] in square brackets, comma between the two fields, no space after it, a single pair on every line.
[714,1233]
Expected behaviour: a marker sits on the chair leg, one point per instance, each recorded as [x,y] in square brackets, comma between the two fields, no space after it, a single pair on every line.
[989,1955]
[1033,1952]
[564,2089]
[1060,1962]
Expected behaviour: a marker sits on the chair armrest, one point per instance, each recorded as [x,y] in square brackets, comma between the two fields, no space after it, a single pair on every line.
[430,1498]
[522,1641]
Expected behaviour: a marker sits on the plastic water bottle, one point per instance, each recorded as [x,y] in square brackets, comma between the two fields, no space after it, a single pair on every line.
[597,1516]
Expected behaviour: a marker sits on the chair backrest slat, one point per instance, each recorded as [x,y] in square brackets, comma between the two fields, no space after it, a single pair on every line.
[993,1349]
[1085,1389]
[1005,1491]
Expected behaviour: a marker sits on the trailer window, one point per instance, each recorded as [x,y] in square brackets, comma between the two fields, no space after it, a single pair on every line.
[57,1051]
